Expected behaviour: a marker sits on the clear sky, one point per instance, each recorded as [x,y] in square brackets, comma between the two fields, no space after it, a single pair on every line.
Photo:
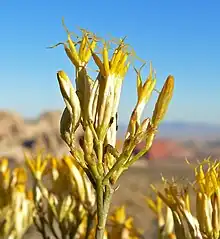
[181,38]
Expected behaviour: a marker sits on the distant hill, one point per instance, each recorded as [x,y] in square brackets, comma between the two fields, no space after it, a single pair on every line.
[183,131]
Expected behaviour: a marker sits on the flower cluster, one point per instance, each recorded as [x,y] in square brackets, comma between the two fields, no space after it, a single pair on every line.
[121,226]
[16,205]
[72,194]
[93,105]
[180,221]
[63,196]
[61,202]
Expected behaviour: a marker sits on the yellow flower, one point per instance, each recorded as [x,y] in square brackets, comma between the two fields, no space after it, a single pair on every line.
[3,165]
[80,57]
[144,92]
[122,226]
[19,179]
[77,176]
[118,64]
[156,206]
[37,165]
[108,88]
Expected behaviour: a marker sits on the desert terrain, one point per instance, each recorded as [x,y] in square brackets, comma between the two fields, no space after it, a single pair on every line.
[167,157]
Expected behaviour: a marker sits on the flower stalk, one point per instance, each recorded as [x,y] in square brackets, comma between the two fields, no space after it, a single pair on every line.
[94,105]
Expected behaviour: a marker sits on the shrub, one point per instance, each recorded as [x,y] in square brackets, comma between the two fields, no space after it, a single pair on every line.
[82,185]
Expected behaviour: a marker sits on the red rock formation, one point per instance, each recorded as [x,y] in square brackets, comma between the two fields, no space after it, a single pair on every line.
[165,149]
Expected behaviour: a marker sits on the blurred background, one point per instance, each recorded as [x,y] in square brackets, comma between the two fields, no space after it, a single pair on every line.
[179,37]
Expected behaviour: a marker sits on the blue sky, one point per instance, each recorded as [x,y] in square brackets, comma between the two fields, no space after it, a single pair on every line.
[181,38]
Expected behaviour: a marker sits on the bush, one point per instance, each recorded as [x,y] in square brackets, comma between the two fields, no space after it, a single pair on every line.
[82,185]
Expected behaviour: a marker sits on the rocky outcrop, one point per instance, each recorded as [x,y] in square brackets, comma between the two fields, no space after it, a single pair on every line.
[165,149]
[18,135]
[12,128]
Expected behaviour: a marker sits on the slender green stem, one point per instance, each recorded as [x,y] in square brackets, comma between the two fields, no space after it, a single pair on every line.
[120,161]
[100,212]
[142,152]
[135,158]
[128,163]
[100,158]
[100,193]
[108,196]
[104,206]
[115,167]
[92,166]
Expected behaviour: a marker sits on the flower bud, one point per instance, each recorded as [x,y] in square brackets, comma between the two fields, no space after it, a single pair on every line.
[72,53]
[144,91]
[163,101]
[88,140]
[66,126]
[93,100]
[65,208]
[71,99]
[77,175]
[215,216]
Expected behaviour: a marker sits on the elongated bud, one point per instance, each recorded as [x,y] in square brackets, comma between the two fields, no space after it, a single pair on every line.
[89,50]
[133,125]
[82,47]
[144,97]
[105,104]
[109,103]
[76,172]
[71,56]
[207,213]
[116,58]
[186,199]
[72,52]
[142,131]
[199,210]
[144,125]
[109,160]
[169,224]
[120,68]
[163,101]
[144,91]
[88,140]
[5,179]
[65,207]
[71,99]
[90,197]
[215,221]
[105,60]
[93,100]
[150,137]
[200,178]
[120,65]
[218,203]
[66,89]
[3,165]
[99,63]
[65,126]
